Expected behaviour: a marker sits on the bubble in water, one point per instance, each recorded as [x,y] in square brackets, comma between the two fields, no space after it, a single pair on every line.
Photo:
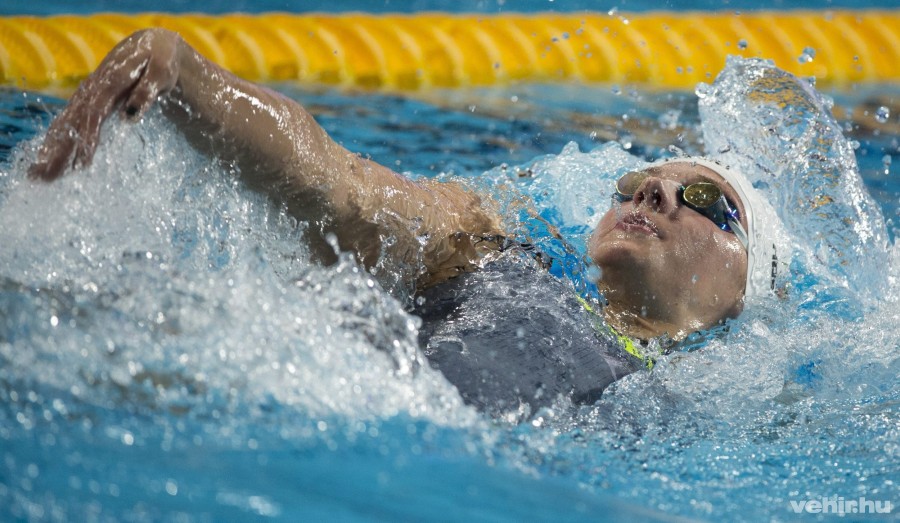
[886,162]
[703,90]
[882,114]
[669,119]
[742,44]
[809,53]
[613,12]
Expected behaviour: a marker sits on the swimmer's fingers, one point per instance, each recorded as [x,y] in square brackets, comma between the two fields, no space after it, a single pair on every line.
[72,137]
[54,155]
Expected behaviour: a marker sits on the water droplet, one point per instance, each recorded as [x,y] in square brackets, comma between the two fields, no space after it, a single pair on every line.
[32,470]
[677,151]
[703,90]
[742,44]
[882,114]
[694,278]
[616,90]
[809,53]
[613,11]
[886,162]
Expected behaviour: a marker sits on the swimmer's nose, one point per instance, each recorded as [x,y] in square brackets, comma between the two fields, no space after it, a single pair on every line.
[659,195]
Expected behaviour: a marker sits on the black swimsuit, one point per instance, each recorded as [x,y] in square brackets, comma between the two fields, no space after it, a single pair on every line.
[512,335]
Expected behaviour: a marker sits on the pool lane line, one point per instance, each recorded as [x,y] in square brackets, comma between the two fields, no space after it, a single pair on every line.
[676,50]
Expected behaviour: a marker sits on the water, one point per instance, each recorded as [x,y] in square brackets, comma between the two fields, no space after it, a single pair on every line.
[167,352]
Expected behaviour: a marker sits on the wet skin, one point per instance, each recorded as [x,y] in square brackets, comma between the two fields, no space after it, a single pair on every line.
[665,268]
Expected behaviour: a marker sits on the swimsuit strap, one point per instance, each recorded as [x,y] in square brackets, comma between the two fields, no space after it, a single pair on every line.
[627,343]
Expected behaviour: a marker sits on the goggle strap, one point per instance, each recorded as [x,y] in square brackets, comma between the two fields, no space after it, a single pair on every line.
[739,231]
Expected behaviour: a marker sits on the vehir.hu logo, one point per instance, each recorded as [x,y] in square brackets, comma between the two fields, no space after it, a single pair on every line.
[839,505]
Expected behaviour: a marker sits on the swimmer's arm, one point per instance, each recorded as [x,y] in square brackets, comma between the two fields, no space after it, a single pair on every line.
[279,149]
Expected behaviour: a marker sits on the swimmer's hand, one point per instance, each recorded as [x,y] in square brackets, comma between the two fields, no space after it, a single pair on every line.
[130,79]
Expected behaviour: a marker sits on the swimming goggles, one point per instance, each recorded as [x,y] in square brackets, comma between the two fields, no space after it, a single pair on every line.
[704,197]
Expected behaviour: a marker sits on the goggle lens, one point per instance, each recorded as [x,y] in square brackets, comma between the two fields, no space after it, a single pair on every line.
[701,195]
[704,197]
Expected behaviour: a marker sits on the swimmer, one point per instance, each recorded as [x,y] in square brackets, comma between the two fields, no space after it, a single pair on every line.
[676,255]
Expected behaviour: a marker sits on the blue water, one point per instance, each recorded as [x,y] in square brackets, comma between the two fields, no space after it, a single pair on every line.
[167,352]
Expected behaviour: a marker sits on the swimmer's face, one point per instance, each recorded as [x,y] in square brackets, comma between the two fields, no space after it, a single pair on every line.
[666,262]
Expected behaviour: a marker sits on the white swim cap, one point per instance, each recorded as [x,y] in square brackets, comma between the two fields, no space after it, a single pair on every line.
[764,229]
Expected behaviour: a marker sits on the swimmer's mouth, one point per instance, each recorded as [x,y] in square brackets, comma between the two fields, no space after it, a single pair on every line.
[637,222]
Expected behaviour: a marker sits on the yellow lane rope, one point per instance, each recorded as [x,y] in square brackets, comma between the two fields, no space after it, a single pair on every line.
[667,49]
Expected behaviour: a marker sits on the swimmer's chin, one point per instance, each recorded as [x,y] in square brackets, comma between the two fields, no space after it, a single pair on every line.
[618,252]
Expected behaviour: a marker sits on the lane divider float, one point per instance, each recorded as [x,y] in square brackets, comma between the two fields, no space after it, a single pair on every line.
[408,52]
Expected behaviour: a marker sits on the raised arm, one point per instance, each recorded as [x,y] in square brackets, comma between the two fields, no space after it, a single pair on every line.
[278,149]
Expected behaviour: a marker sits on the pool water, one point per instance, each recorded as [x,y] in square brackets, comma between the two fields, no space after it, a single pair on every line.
[168,352]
